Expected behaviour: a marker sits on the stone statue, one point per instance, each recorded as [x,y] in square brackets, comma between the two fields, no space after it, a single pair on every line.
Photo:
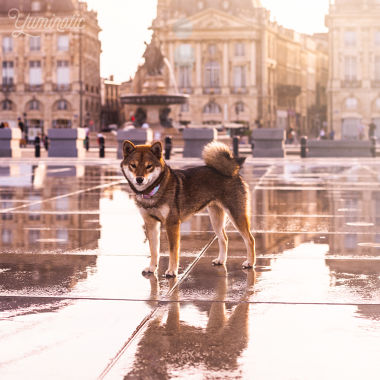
[154,59]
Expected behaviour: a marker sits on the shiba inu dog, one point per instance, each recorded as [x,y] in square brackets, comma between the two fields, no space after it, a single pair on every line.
[166,196]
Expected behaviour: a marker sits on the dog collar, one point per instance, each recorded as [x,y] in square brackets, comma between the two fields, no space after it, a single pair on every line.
[151,194]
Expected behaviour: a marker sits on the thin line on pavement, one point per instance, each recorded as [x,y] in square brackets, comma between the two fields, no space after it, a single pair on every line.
[59,197]
[139,328]
[164,301]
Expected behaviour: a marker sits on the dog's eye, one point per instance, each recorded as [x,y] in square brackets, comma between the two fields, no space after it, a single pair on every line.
[133,166]
[149,166]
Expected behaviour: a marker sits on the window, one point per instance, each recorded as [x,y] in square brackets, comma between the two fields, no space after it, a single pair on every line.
[350,68]
[184,54]
[212,49]
[35,43]
[62,105]
[35,73]
[34,105]
[63,43]
[349,38]
[212,107]
[185,76]
[377,68]
[239,49]
[63,73]
[239,107]
[6,105]
[185,107]
[6,236]
[351,103]
[36,6]
[7,44]
[378,104]
[212,70]
[239,77]
[377,38]
[8,73]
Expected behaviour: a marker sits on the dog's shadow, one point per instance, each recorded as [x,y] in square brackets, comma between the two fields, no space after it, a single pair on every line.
[211,334]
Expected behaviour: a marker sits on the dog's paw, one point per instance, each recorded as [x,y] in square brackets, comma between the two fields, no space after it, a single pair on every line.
[148,270]
[170,273]
[247,265]
[218,262]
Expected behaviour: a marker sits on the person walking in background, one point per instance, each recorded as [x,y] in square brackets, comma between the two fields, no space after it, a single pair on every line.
[332,134]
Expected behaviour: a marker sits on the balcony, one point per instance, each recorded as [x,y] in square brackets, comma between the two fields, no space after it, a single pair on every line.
[284,90]
[186,90]
[350,83]
[62,87]
[239,90]
[34,87]
[7,87]
[212,90]
[375,83]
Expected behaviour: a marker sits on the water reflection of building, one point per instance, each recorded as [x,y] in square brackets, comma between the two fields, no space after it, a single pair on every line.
[35,224]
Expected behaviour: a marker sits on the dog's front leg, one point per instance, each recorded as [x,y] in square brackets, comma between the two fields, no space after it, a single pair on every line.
[172,231]
[152,228]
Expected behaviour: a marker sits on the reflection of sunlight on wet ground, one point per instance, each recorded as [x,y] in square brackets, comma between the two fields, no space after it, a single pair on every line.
[121,225]
[298,274]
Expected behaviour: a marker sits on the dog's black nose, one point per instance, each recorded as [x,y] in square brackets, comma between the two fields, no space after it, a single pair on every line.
[139,180]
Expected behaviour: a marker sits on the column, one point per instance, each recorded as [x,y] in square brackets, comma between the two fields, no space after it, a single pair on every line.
[198,65]
[253,64]
[225,65]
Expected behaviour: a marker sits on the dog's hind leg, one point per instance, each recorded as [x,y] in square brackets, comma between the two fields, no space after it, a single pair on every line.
[218,218]
[152,228]
[240,218]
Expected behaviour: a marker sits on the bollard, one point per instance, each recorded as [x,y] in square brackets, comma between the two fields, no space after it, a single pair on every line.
[101,147]
[87,143]
[373,146]
[37,147]
[303,146]
[168,147]
[235,144]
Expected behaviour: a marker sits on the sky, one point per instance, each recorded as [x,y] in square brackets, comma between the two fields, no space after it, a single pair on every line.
[125,26]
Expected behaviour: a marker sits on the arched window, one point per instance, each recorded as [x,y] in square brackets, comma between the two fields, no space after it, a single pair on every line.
[239,107]
[34,105]
[6,105]
[62,105]
[351,103]
[212,107]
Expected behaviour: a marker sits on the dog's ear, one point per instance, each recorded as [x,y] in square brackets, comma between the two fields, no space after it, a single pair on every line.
[128,147]
[156,148]
[240,161]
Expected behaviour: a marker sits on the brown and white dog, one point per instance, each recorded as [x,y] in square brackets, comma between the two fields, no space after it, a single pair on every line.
[166,196]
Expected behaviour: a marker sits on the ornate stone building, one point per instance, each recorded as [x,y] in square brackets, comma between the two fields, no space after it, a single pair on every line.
[238,66]
[354,70]
[50,51]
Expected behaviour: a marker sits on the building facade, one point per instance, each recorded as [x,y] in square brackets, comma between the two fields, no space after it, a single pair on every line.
[238,66]
[111,107]
[354,67]
[50,65]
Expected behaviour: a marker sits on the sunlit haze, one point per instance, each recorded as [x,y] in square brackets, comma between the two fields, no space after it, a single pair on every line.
[125,26]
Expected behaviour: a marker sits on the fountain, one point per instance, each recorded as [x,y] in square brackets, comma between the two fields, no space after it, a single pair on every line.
[154,101]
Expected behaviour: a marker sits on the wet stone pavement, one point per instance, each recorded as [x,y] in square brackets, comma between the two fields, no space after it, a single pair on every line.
[74,304]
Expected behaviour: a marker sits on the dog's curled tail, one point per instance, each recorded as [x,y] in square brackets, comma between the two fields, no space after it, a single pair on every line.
[219,156]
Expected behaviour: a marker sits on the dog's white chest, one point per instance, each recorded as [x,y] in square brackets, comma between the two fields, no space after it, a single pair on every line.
[161,212]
